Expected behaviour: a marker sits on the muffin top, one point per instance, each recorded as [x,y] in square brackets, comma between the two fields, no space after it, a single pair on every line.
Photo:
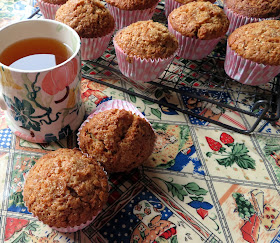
[202,20]
[255,8]
[188,1]
[118,139]
[258,42]
[64,188]
[132,4]
[59,2]
[146,39]
[89,18]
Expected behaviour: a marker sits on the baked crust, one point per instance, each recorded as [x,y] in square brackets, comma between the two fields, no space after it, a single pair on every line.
[132,4]
[147,39]
[202,20]
[89,18]
[255,8]
[118,139]
[64,188]
[258,42]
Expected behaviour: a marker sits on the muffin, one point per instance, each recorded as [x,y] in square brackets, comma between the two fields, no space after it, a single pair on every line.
[65,189]
[170,5]
[126,12]
[253,52]
[241,12]
[198,26]
[93,23]
[119,139]
[49,7]
[144,49]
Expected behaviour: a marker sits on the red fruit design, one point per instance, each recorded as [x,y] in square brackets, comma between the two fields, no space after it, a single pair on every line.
[214,145]
[202,212]
[14,225]
[226,138]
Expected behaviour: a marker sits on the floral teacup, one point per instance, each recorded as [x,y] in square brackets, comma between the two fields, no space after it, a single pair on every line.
[42,105]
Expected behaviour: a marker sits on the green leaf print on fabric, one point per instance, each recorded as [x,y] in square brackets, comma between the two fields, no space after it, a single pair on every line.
[156,112]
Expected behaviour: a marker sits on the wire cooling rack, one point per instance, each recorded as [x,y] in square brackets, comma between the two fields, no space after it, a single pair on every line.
[206,92]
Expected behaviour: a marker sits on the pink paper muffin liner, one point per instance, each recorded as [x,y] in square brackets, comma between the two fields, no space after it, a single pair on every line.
[246,71]
[192,48]
[170,5]
[236,20]
[138,69]
[124,18]
[48,10]
[92,48]
[108,105]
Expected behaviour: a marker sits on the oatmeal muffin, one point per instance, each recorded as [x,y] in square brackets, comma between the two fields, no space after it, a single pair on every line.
[49,7]
[93,23]
[65,189]
[126,12]
[253,52]
[170,5]
[144,49]
[198,26]
[241,12]
[118,139]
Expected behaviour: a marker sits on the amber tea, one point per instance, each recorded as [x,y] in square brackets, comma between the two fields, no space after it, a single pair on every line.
[35,54]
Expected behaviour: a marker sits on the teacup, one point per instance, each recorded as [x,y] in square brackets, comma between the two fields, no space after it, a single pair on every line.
[42,105]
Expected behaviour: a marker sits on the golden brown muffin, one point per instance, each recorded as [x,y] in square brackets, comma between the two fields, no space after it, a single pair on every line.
[147,39]
[65,189]
[132,4]
[255,8]
[188,1]
[89,18]
[258,42]
[58,2]
[118,139]
[202,20]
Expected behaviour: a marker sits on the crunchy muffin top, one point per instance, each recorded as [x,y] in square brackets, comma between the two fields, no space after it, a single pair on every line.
[255,8]
[258,42]
[188,1]
[59,2]
[147,39]
[202,20]
[132,4]
[64,188]
[118,139]
[89,18]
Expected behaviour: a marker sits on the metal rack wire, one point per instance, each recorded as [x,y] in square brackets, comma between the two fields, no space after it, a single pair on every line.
[202,81]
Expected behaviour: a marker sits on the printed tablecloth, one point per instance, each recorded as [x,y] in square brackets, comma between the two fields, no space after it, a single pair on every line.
[202,183]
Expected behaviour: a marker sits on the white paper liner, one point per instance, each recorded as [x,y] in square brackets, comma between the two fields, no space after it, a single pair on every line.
[48,9]
[192,48]
[246,71]
[93,48]
[124,18]
[236,20]
[170,5]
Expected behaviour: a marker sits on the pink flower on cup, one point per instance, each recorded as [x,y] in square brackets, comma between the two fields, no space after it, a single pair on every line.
[60,78]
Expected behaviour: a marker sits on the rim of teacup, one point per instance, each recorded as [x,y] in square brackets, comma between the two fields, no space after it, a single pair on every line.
[53,67]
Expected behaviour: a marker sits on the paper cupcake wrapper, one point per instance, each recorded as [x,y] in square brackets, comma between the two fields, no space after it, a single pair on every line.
[124,18]
[48,10]
[93,48]
[236,20]
[192,48]
[170,5]
[138,69]
[109,105]
[246,71]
